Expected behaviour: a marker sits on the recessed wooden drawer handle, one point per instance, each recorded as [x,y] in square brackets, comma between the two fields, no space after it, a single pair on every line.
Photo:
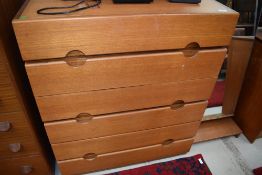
[177,104]
[26,169]
[5,126]
[90,156]
[167,142]
[75,58]
[84,118]
[191,49]
[14,147]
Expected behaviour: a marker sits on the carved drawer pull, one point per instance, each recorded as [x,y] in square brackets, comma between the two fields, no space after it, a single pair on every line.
[167,142]
[26,169]
[15,147]
[177,104]
[90,156]
[75,58]
[84,118]
[191,49]
[5,126]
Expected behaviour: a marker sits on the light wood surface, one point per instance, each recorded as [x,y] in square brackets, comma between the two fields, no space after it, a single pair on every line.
[18,125]
[15,166]
[8,100]
[138,28]
[120,78]
[102,145]
[117,159]
[122,71]
[124,99]
[106,125]
[237,62]
[213,129]
[28,146]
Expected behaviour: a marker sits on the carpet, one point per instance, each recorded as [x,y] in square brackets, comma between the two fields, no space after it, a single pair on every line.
[194,165]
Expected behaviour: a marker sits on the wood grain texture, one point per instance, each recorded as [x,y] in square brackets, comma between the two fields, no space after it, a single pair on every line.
[124,99]
[238,58]
[3,76]
[123,71]
[29,146]
[8,99]
[213,129]
[102,145]
[127,157]
[248,112]
[106,125]
[126,81]
[3,72]
[14,89]
[19,126]
[53,37]
[14,166]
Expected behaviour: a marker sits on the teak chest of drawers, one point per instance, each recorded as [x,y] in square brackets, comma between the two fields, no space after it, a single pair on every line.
[117,82]
[21,145]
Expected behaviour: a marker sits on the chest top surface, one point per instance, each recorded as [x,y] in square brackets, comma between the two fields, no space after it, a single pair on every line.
[108,8]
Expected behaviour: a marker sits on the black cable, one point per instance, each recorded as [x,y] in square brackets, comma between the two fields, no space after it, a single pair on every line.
[44,11]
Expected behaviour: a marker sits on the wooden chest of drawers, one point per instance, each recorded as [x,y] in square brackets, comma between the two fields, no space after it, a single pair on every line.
[112,83]
[21,149]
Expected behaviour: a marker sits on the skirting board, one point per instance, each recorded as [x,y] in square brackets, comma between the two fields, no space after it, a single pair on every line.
[213,129]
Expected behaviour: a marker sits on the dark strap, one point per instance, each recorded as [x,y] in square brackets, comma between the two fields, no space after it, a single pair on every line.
[71,9]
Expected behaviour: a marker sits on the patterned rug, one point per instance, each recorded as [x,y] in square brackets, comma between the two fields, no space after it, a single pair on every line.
[194,165]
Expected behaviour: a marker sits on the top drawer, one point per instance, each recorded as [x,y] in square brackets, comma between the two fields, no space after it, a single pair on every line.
[129,28]
[122,71]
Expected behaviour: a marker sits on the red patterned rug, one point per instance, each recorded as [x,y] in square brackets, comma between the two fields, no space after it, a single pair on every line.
[194,165]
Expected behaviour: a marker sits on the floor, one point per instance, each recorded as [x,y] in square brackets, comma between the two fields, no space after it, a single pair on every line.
[226,156]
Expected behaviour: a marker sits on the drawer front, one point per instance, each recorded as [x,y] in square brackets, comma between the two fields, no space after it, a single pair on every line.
[103,145]
[122,71]
[8,100]
[127,157]
[4,78]
[156,32]
[13,125]
[124,99]
[33,165]
[20,146]
[106,125]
